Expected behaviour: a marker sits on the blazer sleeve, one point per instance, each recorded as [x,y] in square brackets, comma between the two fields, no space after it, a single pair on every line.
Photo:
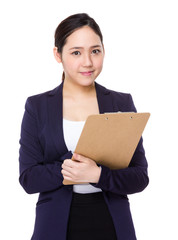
[35,174]
[130,180]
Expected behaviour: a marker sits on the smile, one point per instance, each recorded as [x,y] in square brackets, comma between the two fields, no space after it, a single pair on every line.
[87,73]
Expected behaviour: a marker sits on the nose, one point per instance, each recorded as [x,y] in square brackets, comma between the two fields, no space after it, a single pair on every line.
[87,61]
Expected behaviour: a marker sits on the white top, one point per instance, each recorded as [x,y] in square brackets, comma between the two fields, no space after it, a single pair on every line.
[72,131]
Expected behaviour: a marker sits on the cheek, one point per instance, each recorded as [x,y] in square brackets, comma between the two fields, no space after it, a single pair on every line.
[99,63]
[73,64]
[69,65]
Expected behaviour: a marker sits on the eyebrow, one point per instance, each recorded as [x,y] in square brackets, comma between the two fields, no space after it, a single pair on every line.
[82,47]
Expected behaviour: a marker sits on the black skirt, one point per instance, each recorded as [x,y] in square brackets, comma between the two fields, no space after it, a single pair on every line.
[89,218]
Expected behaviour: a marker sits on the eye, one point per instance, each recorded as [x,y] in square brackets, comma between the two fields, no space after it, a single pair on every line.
[76,53]
[96,51]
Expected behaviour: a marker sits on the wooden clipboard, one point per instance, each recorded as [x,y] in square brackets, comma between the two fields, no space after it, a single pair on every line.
[110,139]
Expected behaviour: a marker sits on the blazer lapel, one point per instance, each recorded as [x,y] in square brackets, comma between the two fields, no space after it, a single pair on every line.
[55,111]
[104,99]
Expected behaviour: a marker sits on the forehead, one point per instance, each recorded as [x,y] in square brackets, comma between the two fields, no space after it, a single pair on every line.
[84,36]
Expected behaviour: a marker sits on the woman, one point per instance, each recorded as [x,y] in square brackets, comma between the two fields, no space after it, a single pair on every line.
[51,126]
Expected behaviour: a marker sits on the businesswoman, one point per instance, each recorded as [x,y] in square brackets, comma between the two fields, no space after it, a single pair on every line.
[51,126]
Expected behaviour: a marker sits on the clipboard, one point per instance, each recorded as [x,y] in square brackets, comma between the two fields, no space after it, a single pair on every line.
[110,139]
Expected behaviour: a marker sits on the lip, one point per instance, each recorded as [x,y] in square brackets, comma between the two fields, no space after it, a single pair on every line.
[87,73]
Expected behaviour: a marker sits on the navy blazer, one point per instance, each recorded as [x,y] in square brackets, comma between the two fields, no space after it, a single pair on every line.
[43,150]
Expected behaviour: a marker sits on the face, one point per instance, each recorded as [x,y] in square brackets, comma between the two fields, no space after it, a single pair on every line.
[82,56]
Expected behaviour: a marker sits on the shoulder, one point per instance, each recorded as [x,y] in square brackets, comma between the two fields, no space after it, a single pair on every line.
[122,96]
[42,96]
[39,101]
[113,93]
[122,101]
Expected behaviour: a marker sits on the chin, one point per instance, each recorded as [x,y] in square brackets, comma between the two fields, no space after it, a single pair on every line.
[87,82]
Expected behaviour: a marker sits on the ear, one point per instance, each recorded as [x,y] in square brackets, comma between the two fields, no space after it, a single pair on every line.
[57,55]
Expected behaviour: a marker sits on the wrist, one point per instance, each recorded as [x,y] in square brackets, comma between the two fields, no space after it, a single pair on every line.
[97,175]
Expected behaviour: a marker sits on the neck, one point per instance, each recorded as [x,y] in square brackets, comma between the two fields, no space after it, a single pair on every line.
[76,90]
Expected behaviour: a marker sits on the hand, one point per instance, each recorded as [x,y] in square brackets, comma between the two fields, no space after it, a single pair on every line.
[82,170]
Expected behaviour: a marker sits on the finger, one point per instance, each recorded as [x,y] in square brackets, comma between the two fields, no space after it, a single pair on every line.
[66,173]
[67,168]
[68,178]
[68,162]
[79,157]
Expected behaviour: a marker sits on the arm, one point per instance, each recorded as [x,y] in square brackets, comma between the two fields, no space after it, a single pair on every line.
[129,180]
[35,174]
[134,178]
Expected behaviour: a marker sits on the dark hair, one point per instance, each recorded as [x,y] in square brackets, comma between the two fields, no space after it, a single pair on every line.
[69,25]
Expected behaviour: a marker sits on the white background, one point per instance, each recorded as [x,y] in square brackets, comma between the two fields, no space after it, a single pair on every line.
[141,44]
